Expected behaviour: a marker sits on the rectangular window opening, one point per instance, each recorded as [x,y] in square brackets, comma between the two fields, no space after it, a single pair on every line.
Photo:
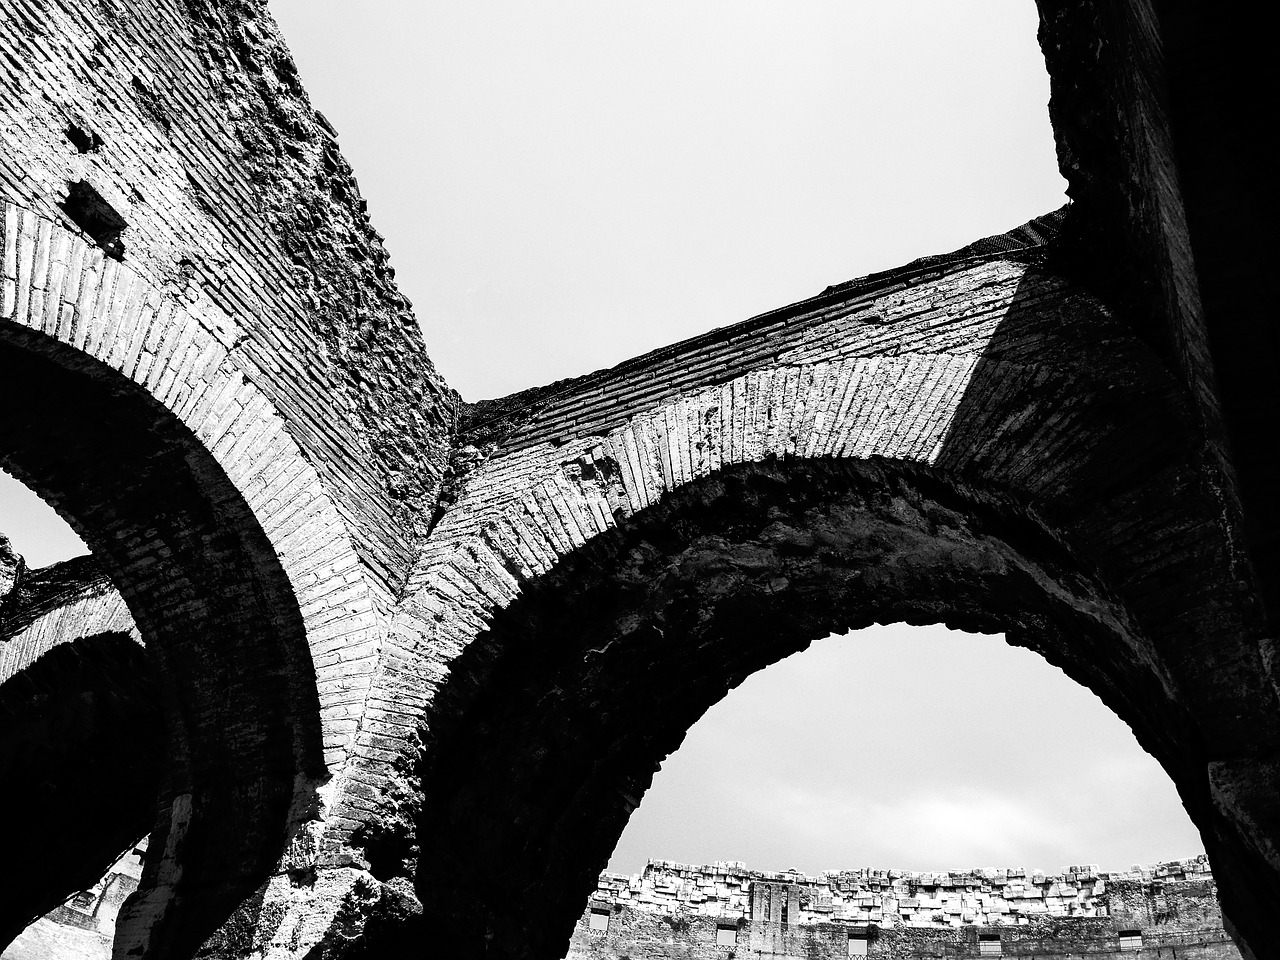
[599,920]
[726,936]
[1130,939]
[989,945]
[857,944]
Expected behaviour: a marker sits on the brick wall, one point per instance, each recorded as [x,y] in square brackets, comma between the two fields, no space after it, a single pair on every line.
[188,121]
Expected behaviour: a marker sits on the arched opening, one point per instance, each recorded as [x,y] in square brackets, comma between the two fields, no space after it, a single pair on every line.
[1056,495]
[34,529]
[81,732]
[909,748]
[82,747]
[223,631]
[551,725]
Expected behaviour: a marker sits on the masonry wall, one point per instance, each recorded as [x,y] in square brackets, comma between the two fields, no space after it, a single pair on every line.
[725,911]
[174,138]
[187,122]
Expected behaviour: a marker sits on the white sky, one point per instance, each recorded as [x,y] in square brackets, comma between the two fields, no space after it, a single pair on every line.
[567,183]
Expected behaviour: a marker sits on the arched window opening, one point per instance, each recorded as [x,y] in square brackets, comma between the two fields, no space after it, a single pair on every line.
[898,788]
[180,562]
[916,748]
[34,529]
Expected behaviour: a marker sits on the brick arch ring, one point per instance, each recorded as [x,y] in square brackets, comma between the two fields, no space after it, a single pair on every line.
[954,449]
[130,411]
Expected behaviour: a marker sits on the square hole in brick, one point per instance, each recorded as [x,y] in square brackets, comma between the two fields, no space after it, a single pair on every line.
[85,141]
[92,214]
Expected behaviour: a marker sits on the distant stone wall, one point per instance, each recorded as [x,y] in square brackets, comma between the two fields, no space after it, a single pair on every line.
[725,910]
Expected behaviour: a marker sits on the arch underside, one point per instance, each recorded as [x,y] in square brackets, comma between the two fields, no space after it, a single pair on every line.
[137,417]
[236,690]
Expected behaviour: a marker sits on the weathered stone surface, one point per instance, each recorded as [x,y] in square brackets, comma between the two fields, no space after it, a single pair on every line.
[388,651]
[725,910]
[244,303]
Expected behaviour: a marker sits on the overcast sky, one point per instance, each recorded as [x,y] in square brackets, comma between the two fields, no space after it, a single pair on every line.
[566,183]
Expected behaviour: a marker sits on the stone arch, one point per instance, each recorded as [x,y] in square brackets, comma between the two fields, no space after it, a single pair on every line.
[132,412]
[981,401]
[81,750]
[554,721]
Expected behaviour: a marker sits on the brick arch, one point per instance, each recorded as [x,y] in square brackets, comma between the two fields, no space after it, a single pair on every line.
[130,409]
[1040,423]
[552,723]
[81,749]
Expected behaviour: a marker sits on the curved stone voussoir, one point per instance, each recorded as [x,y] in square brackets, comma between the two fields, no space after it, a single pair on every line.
[153,440]
[55,605]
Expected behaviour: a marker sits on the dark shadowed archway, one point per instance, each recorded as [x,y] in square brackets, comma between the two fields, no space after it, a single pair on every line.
[81,749]
[234,676]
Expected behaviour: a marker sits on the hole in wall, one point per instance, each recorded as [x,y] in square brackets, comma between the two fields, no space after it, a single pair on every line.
[928,764]
[90,212]
[1130,939]
[85,141]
